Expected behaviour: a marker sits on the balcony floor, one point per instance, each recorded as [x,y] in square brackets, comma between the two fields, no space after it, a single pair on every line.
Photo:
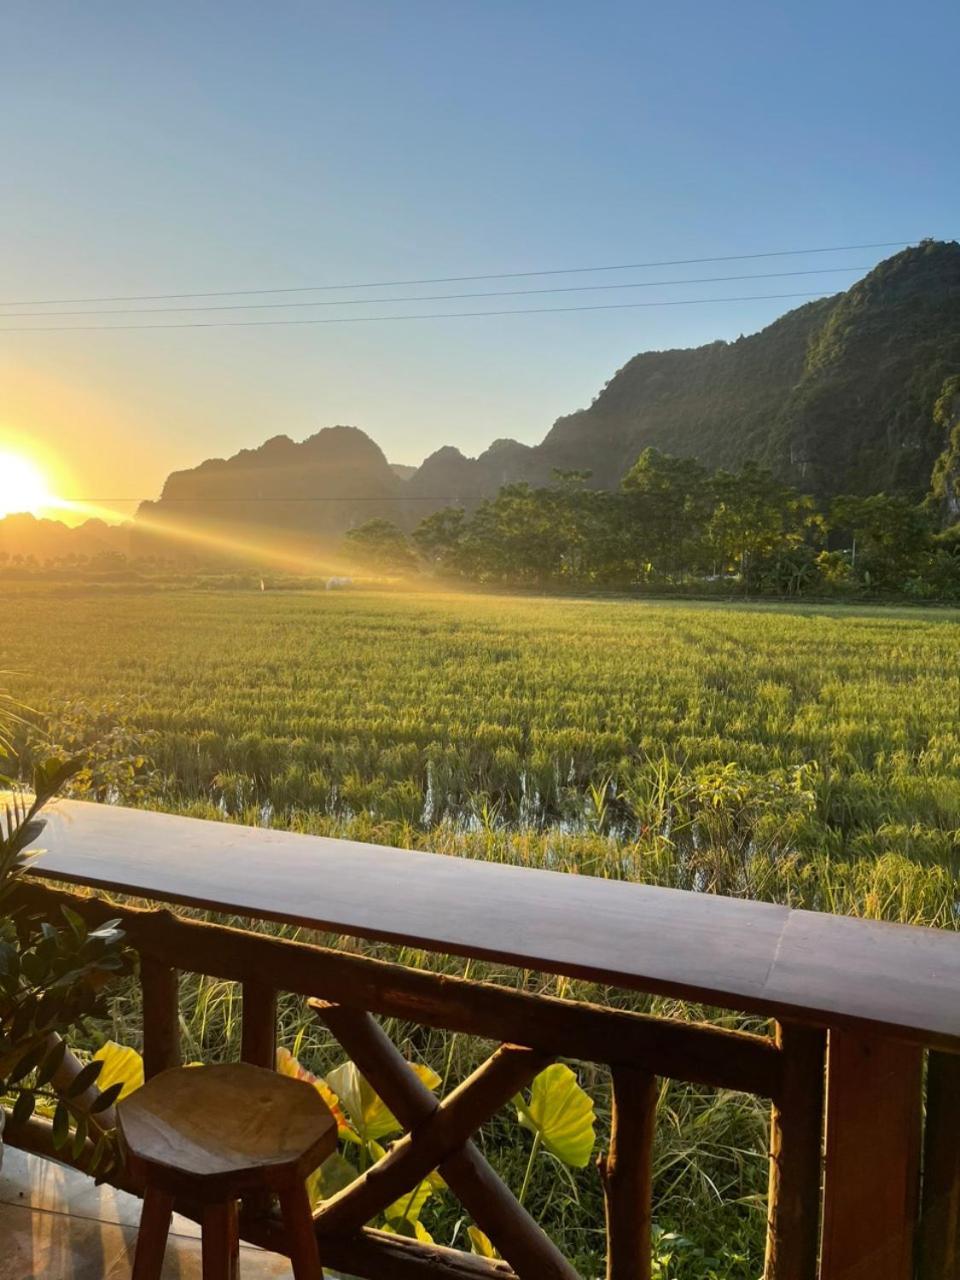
[55,1224]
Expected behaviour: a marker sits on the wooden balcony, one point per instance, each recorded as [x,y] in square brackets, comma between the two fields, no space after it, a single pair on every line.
[865,1025]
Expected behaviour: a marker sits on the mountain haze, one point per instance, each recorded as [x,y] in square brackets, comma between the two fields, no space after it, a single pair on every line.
[321,486]
[836,396]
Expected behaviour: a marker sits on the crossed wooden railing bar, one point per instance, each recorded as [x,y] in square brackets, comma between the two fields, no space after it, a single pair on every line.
[823,1202]
[481,1192]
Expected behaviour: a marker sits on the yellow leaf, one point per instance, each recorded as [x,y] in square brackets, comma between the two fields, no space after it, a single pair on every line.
[562,1114]
[287,1065]
[333,1175]
[410,1204]
[371,1116]
[121,1065]
[481,1243]
[412,1230]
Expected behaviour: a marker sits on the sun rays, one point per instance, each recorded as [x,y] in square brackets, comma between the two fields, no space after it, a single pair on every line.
[23,486]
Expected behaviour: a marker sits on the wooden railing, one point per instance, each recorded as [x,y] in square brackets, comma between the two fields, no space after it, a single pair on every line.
[859,1189]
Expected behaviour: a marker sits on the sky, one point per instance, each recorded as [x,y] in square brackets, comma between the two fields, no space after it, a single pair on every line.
[198,147]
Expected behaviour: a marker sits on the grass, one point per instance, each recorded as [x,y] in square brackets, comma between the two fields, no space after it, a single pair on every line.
[802,755]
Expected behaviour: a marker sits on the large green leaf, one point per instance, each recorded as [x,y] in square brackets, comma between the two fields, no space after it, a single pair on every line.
[561,1113]
[332,1176]
[370,1115]
[410,1204]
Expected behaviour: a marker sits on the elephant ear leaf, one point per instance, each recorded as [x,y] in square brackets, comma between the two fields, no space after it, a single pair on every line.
[122,1066]
[561,1114]
[481,1243]
[409,1206]
[371,1116]
[288,1065]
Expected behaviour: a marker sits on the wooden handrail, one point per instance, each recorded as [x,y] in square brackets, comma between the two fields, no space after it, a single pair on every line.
[698,1052]
[844,1020]
[803,966]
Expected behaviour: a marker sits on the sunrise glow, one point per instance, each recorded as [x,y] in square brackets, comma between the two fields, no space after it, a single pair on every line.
[23,486]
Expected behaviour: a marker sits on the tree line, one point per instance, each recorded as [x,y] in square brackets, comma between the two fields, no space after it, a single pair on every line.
[673,524]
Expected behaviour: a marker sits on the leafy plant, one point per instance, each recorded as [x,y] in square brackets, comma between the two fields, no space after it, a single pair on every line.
[480,1243]
[363,1118]
[121,1069]
[52,977]
[560,1116]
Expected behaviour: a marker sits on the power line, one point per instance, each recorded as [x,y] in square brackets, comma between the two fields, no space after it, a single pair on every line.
[438,297]
[427,315]
[500,275]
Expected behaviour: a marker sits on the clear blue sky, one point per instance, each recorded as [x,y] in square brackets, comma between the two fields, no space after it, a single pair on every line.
[192,146]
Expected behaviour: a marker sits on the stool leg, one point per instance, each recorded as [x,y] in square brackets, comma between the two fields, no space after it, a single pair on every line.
[301,1237]
[221,1241]
[152,1237]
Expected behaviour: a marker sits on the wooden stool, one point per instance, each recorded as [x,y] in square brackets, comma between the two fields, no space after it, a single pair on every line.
[213,1135]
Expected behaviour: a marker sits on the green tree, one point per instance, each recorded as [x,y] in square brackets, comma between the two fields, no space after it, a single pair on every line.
[583,521]
[439,537]
[667,508]
[513,538]
[381,546]
[757,520]
[560,534]
[889,537]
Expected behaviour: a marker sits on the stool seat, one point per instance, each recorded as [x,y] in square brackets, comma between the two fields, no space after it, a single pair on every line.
[229,1127]
[214,1135]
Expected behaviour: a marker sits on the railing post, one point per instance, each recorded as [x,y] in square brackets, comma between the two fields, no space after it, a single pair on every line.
[940,1208]
[796,1144]
[161,1015]
[258,1038]
[626,1172]
[872,1170]
[258,1046]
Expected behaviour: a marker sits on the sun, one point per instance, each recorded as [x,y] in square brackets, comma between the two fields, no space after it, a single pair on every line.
[23,487]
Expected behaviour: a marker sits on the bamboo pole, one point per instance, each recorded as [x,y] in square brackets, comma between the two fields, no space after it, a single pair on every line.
[63,1078]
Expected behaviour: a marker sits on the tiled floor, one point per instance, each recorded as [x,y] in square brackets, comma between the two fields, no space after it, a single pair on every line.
[55,1224]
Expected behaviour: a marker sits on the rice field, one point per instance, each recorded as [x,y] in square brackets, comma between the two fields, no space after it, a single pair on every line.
[801,754]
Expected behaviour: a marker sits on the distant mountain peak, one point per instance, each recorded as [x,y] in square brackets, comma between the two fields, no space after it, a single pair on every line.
[836,395]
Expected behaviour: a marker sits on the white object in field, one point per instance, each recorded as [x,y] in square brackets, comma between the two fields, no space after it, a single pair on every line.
[334,584]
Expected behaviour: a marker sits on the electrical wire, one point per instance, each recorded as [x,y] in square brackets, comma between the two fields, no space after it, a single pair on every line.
[499,275]
[427,315]
[436,297]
